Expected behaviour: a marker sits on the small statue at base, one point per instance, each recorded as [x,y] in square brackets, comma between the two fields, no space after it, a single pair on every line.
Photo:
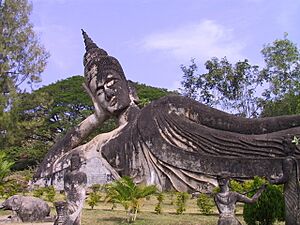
[61,209]
[290,179]
[74,185]
[226,200]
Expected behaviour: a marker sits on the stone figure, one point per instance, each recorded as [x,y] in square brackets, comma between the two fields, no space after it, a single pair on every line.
[226,201]
[290,179]
[26,208]
[61,210]
[74,186]
[174,142]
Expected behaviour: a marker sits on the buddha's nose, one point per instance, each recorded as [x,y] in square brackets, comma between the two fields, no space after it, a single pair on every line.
[109,93]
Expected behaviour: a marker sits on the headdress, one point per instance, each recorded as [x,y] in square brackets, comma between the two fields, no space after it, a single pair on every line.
[99,57]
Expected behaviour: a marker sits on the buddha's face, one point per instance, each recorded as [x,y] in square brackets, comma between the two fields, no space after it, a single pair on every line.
[110,90]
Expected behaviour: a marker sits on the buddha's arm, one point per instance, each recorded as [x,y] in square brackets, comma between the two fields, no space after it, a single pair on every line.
[73,138]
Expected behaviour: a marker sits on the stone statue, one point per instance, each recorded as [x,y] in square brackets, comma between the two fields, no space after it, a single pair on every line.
[290,179]
[174,142]
[226,200]
[61,210]
[74,185]
[26,208]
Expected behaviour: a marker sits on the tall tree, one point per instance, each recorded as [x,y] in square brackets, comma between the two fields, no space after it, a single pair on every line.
[22,59]
[282,71]
[226,86]
[242,88]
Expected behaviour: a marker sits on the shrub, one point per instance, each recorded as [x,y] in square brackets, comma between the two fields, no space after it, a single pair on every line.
[129,194]
[268,208]
[47,193]
[9,188]
[204,203]
[38,192]
[96,187]
[94,199]
[160,197]
[181,200]
[50,193]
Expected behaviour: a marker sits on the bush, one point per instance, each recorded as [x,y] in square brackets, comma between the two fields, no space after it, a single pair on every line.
[46,193]
[38,193]
[9,189]
[181,200]
[96,187]
[94,199]
[268,208]
[50,193]
[160,197]
[204,203]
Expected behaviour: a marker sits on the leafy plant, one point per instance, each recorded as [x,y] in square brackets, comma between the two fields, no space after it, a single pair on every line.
[94,199]
[268,208]
[94,196]
[181,200]
[5,166]
[158,208]
[204,203]
[50,193]
[47,193]
[38,192]
[128,194]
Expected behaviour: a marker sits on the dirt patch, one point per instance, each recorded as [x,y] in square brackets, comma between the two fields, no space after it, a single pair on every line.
[6,220]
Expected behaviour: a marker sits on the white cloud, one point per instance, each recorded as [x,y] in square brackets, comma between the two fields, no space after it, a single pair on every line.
[202,40]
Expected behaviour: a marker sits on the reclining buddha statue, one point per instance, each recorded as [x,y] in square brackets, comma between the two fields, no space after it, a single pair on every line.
[174,142]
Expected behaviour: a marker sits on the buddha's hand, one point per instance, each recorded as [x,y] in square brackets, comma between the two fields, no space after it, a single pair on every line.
[99,112]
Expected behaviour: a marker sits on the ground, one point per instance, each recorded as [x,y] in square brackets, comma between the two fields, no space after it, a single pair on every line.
[103,215]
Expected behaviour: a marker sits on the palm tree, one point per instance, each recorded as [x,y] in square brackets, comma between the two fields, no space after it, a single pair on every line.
[128,194]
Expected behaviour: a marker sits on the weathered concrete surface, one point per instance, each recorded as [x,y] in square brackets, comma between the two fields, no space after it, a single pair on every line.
[174,142]
[26,208]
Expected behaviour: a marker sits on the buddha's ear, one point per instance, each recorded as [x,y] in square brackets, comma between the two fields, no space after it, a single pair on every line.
[132,92]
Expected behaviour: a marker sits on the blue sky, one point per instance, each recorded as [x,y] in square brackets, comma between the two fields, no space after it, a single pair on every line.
[152,38]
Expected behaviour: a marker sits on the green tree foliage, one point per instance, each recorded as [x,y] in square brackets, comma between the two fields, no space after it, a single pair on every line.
[268,208]
[246,89]
[282,70]
[22,59]
[147,93]
[5,166]
[288,105]
[129,194]
[228,86]
[69,106]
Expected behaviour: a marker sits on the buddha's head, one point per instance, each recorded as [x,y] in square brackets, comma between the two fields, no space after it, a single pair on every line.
[105,78]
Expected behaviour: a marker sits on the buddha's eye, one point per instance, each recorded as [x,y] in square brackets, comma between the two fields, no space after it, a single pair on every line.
[99,90]
[110,83]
